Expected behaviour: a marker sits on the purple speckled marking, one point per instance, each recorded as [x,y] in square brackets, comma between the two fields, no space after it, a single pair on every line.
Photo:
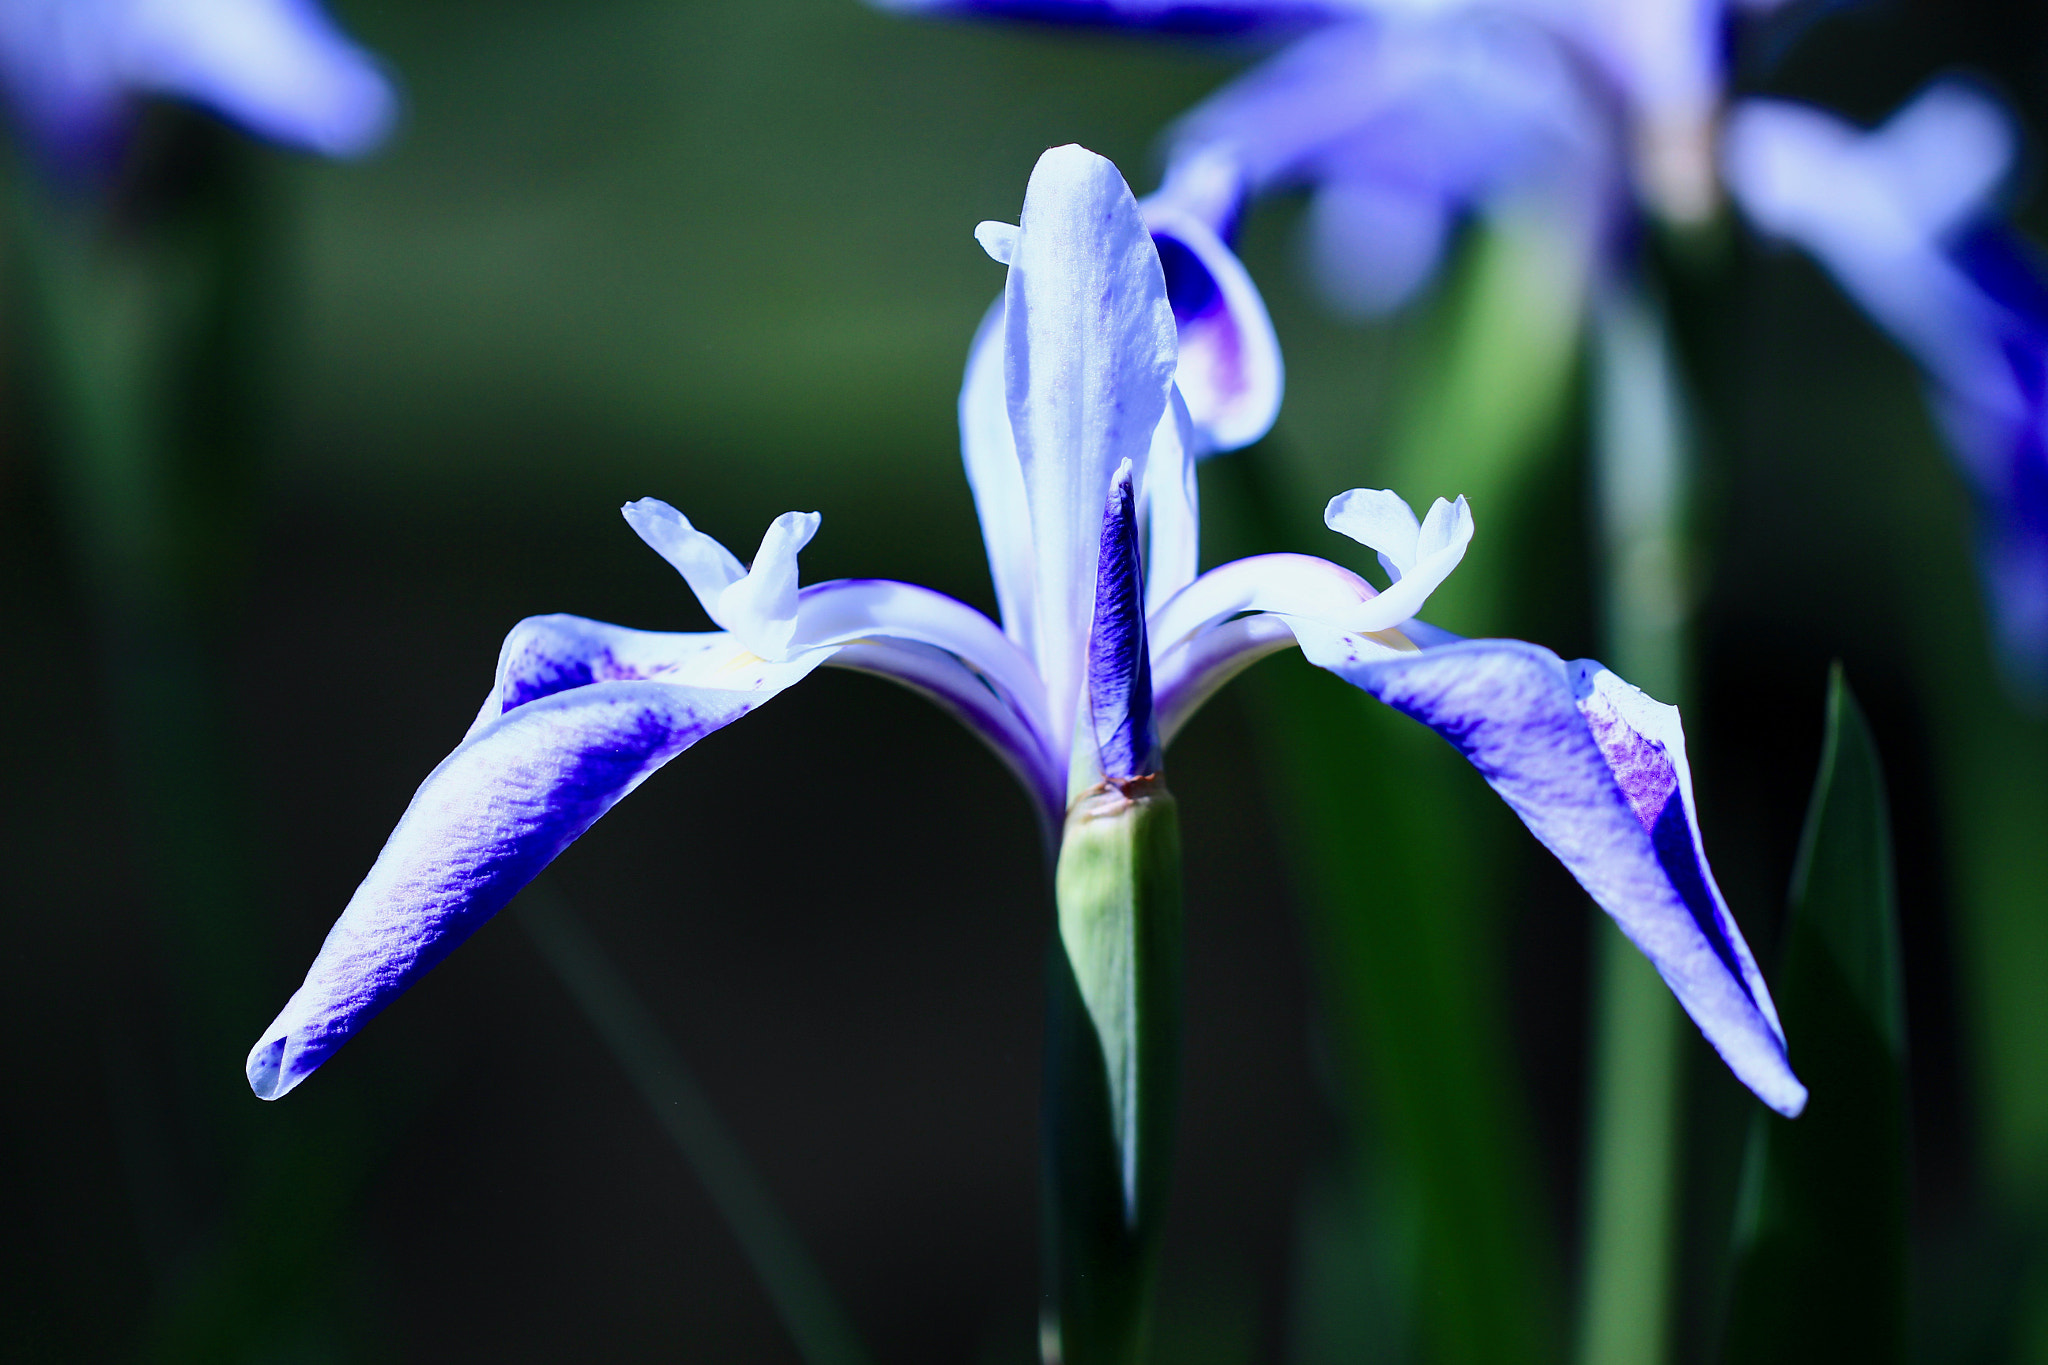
[1512,710]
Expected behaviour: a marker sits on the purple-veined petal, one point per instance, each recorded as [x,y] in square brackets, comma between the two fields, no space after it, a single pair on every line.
[518,790]
[997,480]
[544,655]
[1123,743]
[1230,372]
[1170,506]
[278,67]
[1597,771]
[1089,355]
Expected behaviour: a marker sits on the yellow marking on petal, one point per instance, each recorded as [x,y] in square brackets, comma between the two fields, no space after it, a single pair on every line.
[1393,639]
[742,659]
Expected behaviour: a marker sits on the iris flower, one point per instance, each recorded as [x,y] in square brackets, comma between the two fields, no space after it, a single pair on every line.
[1079,445]
[1905,217]
[1403,116]
[73,68]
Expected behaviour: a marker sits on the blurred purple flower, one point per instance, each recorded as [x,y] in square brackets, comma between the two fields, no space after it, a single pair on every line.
[72,69]
[1405,115]
[1904,216]
[1080,449]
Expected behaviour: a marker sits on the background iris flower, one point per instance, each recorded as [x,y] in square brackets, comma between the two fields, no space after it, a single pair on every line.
[1097,459]
[1906,217]
[73,69]
[1403,116]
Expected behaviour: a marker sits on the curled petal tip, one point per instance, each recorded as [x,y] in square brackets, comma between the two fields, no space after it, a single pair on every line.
[999,240]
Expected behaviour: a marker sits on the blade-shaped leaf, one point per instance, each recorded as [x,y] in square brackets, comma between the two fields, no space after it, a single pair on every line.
[1820,1246]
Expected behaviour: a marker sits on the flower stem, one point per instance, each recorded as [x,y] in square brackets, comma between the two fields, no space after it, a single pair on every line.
[1642,478]
[1111,1073]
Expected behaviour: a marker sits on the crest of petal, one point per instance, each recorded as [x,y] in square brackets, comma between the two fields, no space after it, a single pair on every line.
[761,608]
[519,789]
[757,604]
[998,239]
[707,566]
[1089,354]
[1380,520]
[1599,777]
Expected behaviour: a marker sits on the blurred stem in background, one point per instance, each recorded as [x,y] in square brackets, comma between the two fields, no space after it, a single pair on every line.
[148,301]
[1392,841]
[1642,473]
[802,1298]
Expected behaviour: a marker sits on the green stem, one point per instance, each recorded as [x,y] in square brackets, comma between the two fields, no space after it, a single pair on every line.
[802,1298]
[1111,1073]
[1642,478]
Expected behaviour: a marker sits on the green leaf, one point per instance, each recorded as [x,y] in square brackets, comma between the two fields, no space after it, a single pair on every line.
[1820,1271]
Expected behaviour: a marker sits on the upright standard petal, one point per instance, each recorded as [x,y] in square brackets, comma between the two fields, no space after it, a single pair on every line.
[1089,354]
[997,480]
[1598,773]
[1229,370]
[1169,507]
[519,789]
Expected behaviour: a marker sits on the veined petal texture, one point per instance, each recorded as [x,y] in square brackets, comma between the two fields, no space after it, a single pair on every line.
[585,713]
[1089,354]
[1125,740]
[1597,771]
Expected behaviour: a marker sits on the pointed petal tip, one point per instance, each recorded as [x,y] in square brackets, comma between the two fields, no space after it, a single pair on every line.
[265,1069]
